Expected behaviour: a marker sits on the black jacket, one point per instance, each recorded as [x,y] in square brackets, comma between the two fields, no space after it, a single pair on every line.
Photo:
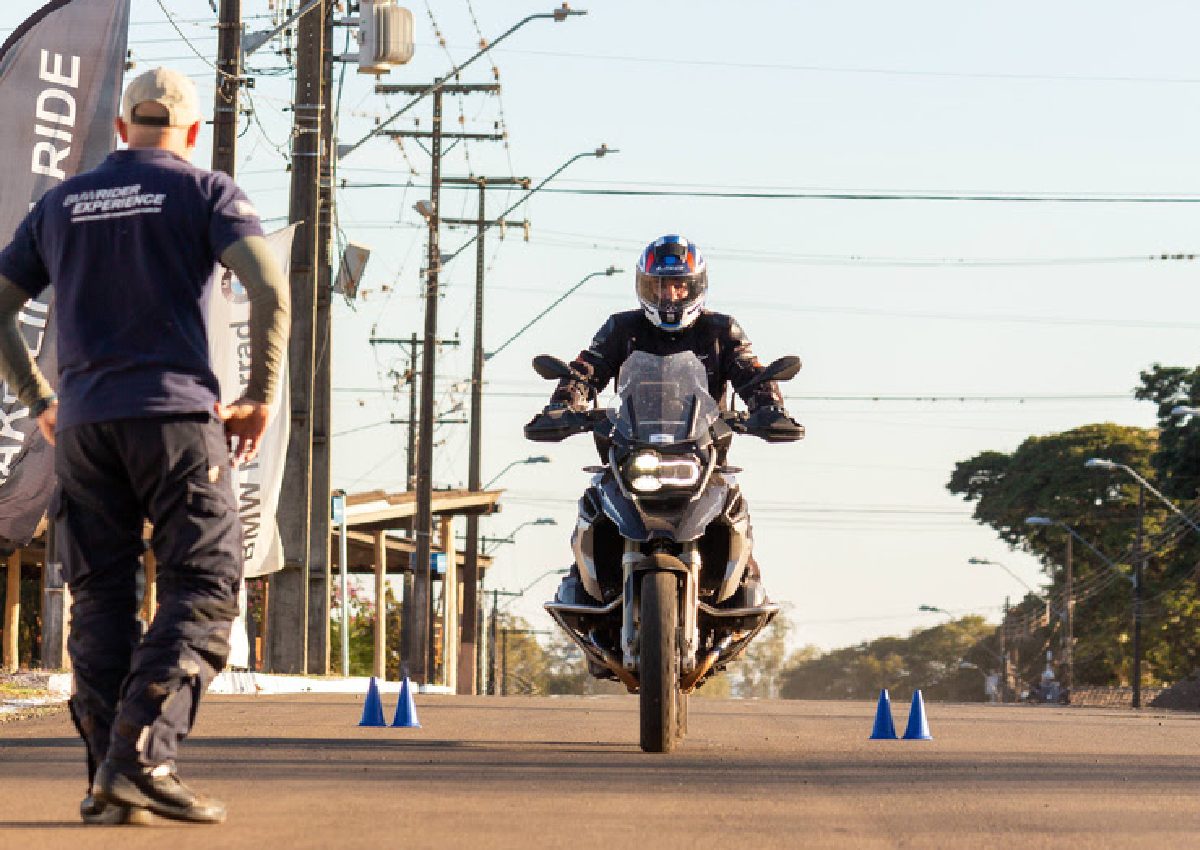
[716,339]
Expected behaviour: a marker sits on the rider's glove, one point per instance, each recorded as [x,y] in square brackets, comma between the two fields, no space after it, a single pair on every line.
[558,408]
[773,422]
[548,425]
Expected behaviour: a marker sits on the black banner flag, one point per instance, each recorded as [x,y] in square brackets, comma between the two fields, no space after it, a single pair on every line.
[60,86]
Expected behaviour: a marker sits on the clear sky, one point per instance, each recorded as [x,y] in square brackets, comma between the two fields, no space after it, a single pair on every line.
[1046,306]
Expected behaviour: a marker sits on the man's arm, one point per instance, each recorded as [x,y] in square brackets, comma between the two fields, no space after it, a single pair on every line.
[597,364]
[254,264]
[270,316]
[742,365]
[17,365]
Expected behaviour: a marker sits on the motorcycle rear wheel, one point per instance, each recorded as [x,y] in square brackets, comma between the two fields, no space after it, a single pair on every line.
[659,696]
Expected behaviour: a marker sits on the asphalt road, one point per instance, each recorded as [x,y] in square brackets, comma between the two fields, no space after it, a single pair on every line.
[297,772]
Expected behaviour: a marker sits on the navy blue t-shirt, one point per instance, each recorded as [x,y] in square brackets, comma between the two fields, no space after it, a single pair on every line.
[130,248]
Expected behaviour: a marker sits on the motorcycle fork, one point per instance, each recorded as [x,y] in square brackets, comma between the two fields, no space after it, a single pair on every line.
[689,601]
[630,604]
[688,639]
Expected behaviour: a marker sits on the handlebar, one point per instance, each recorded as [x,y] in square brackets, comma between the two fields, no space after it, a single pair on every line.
[558,425]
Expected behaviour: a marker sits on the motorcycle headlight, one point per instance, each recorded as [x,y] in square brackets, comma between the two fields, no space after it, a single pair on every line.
[646,462]
[649,472]
[645,484]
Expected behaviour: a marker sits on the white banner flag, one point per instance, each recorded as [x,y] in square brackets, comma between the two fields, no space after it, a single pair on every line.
[256,484]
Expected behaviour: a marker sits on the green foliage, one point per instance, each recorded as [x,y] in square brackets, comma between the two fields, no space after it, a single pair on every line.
[1046,476]
[1177,459]
[928,659]
[757,673]
[362,634]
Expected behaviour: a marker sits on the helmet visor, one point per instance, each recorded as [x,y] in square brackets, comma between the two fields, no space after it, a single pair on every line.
[671,293]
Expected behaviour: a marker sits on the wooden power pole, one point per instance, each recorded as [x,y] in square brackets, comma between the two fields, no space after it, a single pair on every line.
[416,620]
[467,649]
[288,611]
[229,74]
[319,574]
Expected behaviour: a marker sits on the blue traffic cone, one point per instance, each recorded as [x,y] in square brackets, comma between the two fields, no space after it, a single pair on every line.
[406,710]
[884,729]
[372,708]
[918,726]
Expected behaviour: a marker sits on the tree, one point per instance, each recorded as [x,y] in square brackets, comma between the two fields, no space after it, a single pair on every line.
[567,672]
[362,614]
[928,659]
[1046,476]
[1176,461]
[757,673]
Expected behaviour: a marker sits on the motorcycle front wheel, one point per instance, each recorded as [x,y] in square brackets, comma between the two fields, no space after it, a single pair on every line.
[659,696]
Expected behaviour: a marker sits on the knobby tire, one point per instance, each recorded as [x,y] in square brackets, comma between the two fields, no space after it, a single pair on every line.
[659,663]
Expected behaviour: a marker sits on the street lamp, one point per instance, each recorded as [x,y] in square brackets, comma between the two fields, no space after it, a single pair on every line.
[1101,463]
[1003,567]
[545,520]
[533,459]
[475,453]
[609,272]
[518,593]
[558,15]
[599,152]
[1107,561]
[935,610]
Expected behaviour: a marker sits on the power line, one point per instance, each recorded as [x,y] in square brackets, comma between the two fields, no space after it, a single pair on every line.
[192,47]
[834,69]
[866,195]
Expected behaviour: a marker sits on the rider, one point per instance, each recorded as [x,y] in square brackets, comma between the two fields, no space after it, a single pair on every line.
[672,283]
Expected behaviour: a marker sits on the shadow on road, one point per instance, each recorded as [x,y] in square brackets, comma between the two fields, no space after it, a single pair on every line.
[499,762]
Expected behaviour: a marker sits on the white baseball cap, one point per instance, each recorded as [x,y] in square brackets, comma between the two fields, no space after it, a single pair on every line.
[167,88]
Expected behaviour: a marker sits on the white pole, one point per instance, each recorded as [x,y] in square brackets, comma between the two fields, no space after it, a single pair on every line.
[339,515]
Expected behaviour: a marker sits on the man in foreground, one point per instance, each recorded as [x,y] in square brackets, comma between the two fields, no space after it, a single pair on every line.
[130,247]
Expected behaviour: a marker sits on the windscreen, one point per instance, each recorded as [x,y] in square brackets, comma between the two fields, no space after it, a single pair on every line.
[663,400]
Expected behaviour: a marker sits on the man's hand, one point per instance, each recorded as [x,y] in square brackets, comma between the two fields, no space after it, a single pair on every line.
[773,424]
[47,421]
[245,421]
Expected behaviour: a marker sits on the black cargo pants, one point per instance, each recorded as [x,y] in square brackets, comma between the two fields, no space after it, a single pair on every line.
[136,695]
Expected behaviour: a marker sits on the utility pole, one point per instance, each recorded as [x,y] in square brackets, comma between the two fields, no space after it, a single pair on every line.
[407,607]
[1139,565]
[229,79]
[491,688]
[287,635]
[466,649]
[417,660]
[410,477]
[319,576]
[1004,654]
[423,528]
[1069,620]
[413,343]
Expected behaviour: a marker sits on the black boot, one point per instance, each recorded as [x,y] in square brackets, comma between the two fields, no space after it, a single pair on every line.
[159,789]
[98,812]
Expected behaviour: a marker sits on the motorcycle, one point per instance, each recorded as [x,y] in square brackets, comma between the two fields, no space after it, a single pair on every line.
[662,539]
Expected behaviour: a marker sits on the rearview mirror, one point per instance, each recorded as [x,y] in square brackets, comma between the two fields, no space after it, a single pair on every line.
[783,369]
[551,368]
